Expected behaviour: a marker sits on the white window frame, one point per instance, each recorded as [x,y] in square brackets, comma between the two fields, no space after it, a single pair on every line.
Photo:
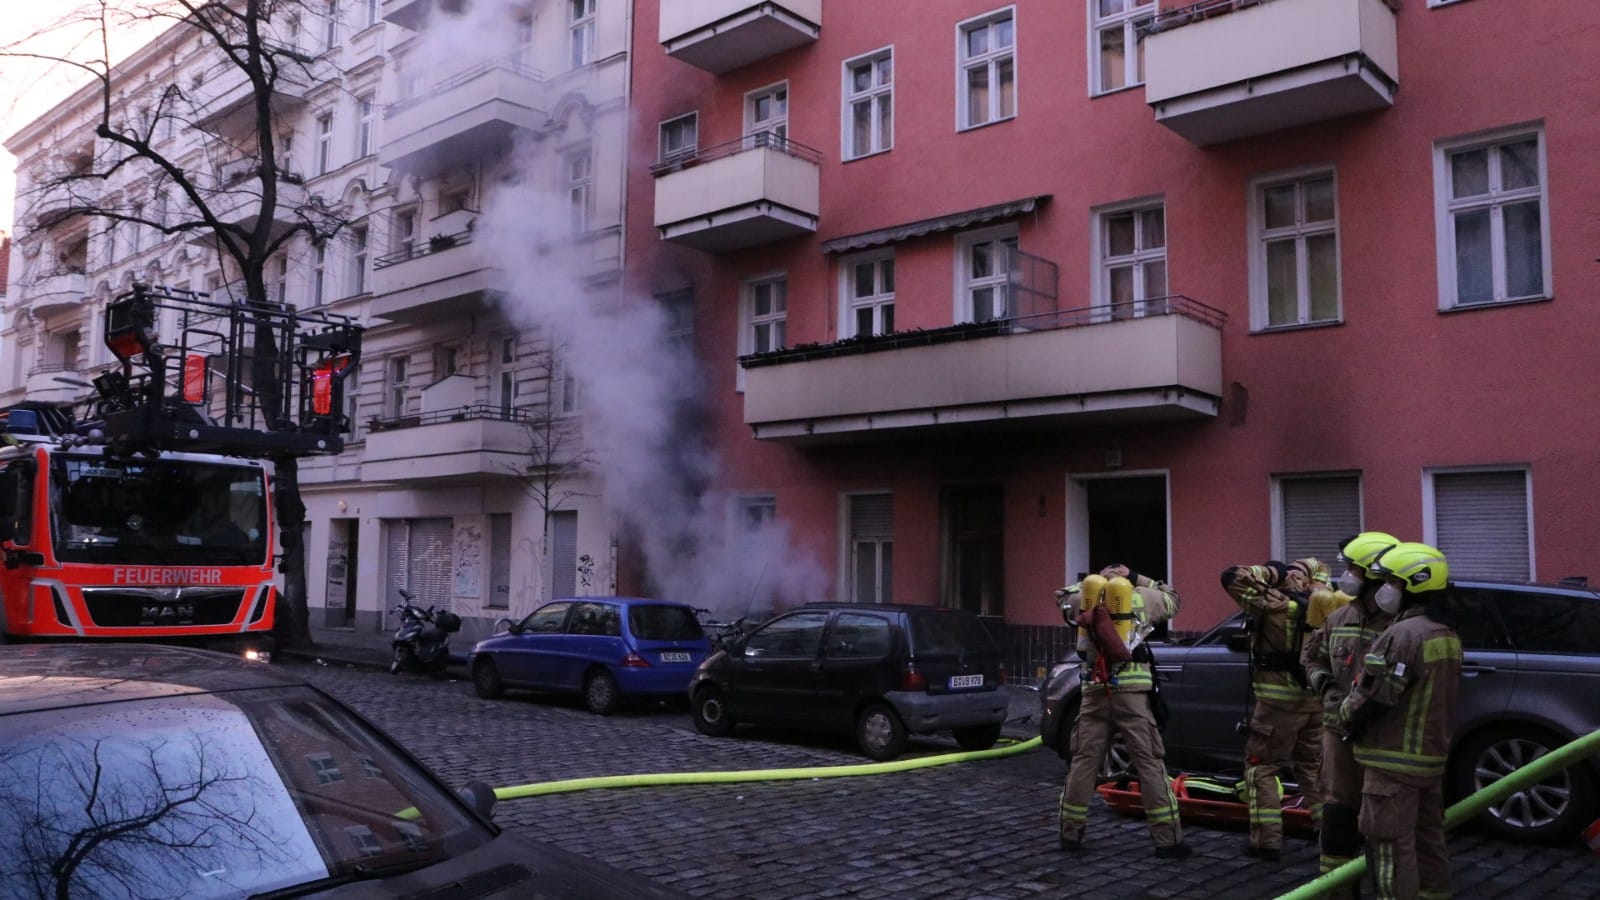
[374,12]
[750,322]
[579,169]
[364,108]
[581,31]
[1128,21]
[319,274]
[991,59]
[999,279]
[360,236]
[1445,207]
[754,513]
[1280,519]
[330,34]
[776,126]
[1104,262]
[677,125]
[850,303]
[324,143]
[405,240]
[847,555]
[1300,231]
[397,375]
[877,94]
[504,367]
[1430,520]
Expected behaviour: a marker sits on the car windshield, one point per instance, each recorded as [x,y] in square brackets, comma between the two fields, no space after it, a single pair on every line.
[106,510]
[212,795]
[947,633]
[661,622]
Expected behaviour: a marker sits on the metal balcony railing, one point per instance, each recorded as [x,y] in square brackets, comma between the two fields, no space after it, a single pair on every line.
[1177,17]
[479,411]
[761,139]
[462,77]
[47,368]
[435,244]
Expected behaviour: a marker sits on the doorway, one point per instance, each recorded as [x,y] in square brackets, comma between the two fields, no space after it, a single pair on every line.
[339,597]
[974,541]
[1117,519]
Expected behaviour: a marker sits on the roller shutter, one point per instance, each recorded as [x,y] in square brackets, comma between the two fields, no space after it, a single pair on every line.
[1481,523]
[1318,513]
[564,554]
[418,556]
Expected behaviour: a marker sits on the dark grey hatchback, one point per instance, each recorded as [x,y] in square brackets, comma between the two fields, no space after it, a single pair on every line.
[145,771]
[885,671]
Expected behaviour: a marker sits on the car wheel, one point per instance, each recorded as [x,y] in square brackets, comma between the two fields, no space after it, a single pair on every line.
[711,712]
[1553,809]
[486,679]
[880,733]
[600,693]
[1117,759]
[977,737]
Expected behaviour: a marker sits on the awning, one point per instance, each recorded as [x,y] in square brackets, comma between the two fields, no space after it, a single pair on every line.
[934,225]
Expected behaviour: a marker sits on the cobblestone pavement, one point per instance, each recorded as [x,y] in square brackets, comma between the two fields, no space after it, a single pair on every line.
[970,830]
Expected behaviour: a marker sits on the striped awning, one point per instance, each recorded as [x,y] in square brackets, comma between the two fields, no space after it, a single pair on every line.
[934,225]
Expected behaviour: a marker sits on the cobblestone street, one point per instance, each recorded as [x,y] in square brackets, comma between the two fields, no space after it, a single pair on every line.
[982,829]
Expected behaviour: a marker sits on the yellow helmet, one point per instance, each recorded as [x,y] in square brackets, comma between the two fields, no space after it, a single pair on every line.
[1421,567]
[1364,549]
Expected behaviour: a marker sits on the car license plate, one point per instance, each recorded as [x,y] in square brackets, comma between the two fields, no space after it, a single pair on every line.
[965,681]
[674,656]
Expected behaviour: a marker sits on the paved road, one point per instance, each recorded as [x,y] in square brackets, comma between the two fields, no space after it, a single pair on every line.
[971,830]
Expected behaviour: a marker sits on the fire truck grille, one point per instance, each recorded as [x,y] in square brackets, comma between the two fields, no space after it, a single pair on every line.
[135,608]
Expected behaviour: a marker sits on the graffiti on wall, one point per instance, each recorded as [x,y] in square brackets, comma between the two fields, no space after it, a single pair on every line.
[468,575]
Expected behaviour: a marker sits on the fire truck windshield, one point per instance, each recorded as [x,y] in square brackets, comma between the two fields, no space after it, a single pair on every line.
[156,511]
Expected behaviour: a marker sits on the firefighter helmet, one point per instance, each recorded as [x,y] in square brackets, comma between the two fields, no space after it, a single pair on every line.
[1421,567]
[1365,548]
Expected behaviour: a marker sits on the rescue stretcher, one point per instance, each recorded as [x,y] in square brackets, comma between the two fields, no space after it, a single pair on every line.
[1209,801]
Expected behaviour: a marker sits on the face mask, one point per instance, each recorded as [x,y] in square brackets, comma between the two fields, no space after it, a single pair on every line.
[1388,598]
[1350,582]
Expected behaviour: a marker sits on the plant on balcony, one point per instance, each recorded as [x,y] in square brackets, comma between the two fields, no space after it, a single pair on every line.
[441,242]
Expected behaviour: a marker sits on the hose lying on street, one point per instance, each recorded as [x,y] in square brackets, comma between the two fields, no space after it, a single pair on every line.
[672,778]
[1530,774]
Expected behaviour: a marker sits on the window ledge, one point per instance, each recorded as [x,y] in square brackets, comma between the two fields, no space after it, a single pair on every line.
[965,128]
[1493,304]
[868,155]
[1299,326]
[1093,95]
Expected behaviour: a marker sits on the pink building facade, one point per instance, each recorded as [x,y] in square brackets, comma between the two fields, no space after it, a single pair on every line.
[988,295]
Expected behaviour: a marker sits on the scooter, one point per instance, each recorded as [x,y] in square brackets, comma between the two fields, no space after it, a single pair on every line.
[422,641]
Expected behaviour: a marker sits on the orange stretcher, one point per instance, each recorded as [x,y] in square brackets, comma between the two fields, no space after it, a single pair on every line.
[1209,802]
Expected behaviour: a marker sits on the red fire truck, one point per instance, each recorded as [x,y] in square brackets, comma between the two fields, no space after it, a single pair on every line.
[150,516]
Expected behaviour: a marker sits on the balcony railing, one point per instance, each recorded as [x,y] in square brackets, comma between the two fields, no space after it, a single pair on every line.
[460,414]
[436,244]
[737,194]
[461,444]
[460,78]
[760,139]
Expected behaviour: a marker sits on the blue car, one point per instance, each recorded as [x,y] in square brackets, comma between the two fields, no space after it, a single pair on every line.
[606,649]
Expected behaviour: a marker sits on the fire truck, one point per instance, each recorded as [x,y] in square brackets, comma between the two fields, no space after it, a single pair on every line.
[145,511]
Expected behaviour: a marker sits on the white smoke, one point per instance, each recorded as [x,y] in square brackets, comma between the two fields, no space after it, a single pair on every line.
[640,391]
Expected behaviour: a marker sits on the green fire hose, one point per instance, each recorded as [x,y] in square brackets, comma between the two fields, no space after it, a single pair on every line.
[1530,774]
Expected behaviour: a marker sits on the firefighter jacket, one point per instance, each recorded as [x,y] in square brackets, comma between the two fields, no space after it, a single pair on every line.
[1154,602]
[1334,654]
[1411,673]
[1277,622]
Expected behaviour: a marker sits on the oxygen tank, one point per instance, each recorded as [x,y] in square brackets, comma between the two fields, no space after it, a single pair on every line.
[1322,604]
[1119,602]
[1092,591]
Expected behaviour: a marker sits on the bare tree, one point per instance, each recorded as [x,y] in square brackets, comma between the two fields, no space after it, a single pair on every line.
[207,144]
[558,458]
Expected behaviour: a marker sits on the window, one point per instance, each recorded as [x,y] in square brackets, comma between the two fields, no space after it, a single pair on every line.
[981,276]
[871,550]
[766,117]
[373,12]
[580,19]
[324,767]
[869,104]
[756,512]
[1494,227]
[580,181]
[566,388]
[1550,623]
[1132,245]
[547,619]
[405,232]
[369,767]
[280,279]
[324,143]
[137,231]
[859,636]
[1294,251]
[680,137]
[319,274]
[358,260]
[1482,522]
[869,295]
[1113,28]
[1314,513]
[796,636]
[678,307]
[398,373]
[505,382]
[352,401]
[446,360]
[363,125]
[987,91]
[364,840]
[524,28]
[330,34]
[767,306]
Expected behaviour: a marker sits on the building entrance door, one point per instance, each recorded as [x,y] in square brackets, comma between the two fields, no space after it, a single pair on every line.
[1117,519]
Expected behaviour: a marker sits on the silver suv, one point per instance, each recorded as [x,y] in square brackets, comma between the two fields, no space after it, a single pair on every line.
[1530,683]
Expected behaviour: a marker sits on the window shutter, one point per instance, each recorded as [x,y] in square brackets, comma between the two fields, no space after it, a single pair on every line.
[564,554]
[430,562]
[397,546]
[872,517]
[1481,519]
[1318,513]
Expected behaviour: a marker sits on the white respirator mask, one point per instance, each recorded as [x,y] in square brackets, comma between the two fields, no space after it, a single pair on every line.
[1388,598]
[1350,582]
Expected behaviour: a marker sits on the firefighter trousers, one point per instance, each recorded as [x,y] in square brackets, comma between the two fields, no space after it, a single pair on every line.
[1341,805]
[1281,737]
[1100,715]
[1404,827]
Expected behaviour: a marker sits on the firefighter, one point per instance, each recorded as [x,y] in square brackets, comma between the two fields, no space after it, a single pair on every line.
[1117,685]
[1333,655]
[1285,727]
[1401,716]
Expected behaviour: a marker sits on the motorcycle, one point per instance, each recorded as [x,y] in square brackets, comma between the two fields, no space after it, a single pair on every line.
[721,634]
[422,641]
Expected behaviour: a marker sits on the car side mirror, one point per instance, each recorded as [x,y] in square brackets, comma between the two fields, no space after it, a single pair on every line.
[480,797]
[505,626]
[1239,642]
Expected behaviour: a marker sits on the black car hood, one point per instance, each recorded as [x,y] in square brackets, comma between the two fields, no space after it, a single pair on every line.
[57,676]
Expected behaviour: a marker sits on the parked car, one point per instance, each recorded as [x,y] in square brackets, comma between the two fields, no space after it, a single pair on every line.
[130,771]
[884,671]
[1530,683]
[606,649]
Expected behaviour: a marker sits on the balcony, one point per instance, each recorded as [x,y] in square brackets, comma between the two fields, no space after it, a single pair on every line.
[237,201]
[407,13]
[1227,69]
[225,93]
[447,276]
[57,292]
[722,35]
[467,443]
[752,191]
[465,117]
[1045,369]
[55,382]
